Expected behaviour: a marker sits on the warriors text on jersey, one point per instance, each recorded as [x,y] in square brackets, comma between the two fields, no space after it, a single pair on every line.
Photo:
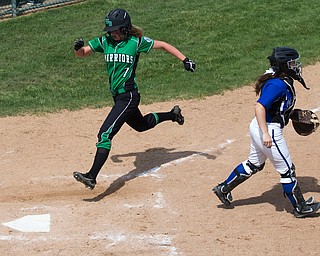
[121,59]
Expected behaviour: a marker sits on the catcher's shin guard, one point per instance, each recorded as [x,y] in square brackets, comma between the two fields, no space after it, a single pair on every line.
[241,173]
[302,208]
[289,183]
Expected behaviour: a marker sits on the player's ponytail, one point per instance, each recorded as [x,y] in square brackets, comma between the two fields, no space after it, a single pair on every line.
[136,31]
[261,81]
[264,78]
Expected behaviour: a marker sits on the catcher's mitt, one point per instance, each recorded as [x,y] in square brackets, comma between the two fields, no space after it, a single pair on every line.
[304,122]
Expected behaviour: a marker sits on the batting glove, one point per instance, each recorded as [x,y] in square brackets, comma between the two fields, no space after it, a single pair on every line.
[189,65]
[78,44]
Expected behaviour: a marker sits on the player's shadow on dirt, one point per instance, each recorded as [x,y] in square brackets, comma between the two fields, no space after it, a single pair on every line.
[275,195]
[146,162]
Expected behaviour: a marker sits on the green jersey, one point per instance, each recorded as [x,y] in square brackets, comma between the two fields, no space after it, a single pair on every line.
[121,59]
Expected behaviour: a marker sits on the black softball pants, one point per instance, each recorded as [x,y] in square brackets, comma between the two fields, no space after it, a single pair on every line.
[125,110]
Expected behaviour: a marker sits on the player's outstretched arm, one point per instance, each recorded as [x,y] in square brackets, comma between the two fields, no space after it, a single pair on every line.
[188,64]
[169,48]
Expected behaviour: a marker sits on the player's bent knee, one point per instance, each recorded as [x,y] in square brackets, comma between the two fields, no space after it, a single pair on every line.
[104,143]
[254,168]
[289,176]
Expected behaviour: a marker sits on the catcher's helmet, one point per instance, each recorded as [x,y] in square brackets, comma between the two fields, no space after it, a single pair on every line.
[118,19]
[286,60]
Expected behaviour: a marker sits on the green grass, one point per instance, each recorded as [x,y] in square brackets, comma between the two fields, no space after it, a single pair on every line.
[229,40]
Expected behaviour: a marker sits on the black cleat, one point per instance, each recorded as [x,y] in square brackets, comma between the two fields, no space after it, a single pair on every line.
[178,117]
[306,210]
[225,197]
[83,178]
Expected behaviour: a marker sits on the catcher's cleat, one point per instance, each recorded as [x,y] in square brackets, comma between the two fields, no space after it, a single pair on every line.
[178,117]
[83,178]
[306,210]
[225,197]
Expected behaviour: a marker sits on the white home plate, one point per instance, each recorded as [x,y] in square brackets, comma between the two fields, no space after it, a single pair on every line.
[31,223]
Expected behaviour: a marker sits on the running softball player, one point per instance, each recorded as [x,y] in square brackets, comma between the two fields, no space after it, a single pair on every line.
[272,111]
[121,47]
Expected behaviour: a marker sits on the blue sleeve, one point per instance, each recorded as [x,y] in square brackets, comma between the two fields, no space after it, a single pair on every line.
[272,91]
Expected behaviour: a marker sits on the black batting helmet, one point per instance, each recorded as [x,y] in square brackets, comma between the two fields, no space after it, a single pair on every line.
[118,19]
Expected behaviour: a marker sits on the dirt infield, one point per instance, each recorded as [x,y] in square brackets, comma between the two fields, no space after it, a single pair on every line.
[154,194]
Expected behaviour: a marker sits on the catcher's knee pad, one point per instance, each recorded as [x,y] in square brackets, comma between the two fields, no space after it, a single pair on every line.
[289,175]
[253,168]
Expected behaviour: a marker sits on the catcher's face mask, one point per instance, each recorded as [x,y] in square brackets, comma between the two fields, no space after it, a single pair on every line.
[295,70]
[296,66]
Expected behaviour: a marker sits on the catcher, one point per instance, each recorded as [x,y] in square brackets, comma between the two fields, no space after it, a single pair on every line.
[273,110]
